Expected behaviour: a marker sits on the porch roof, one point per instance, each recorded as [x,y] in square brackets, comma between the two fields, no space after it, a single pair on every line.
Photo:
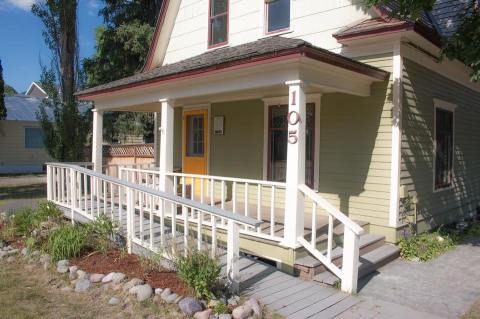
[262,49]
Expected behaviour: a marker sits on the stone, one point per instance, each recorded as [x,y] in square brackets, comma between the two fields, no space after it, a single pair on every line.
[96,278]
[203,314]
[172,298]
[82,274]
[165,293]
[82,285]
[133,290]
[25,251]
[178,299]
[225,316]
[144,292]
[63,263]
[158,291]
[189,306]
[72,272]
[132,283]
[115,277]
[62,269]
[114,301]
[253,303]
[242,312]
[233,301]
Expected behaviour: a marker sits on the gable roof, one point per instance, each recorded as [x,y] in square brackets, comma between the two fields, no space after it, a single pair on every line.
[22,108]
[262,49]
[35,86]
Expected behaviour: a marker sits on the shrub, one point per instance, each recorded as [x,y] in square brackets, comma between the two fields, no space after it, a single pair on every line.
[426,246]
[200,271]
[66,242]
[100,233]
[220,308]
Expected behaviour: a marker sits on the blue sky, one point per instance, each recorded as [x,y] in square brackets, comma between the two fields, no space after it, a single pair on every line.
[22,45]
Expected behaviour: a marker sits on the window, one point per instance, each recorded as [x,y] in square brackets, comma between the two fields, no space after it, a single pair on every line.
[277,15]
[218,23]
[33,137]
[443,148]
[195,135]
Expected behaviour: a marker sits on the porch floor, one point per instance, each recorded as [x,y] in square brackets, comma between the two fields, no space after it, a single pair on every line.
[285,294]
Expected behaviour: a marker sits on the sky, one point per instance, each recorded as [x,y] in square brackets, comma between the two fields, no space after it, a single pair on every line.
[22,46]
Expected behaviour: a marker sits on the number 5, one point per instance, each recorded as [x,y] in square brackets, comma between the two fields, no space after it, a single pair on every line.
[292,137]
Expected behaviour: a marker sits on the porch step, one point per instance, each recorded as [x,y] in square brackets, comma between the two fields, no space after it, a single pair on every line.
[369,262]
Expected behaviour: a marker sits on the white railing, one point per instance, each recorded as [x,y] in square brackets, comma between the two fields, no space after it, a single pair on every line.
[251,198]
[348,271]
[146,216]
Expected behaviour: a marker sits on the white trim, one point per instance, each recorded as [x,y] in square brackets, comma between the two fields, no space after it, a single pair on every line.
[38,87]
[203,106]
[311,98]
[450,107]
[396,154]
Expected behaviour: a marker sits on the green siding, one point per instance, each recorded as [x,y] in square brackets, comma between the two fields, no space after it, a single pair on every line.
[420,87]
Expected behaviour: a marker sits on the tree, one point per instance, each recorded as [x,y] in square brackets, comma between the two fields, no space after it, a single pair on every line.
[122,46]
[10,91]
[462,45]
[3,109]
[65,133]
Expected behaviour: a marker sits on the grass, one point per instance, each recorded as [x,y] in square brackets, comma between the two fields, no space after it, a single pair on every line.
[474,312]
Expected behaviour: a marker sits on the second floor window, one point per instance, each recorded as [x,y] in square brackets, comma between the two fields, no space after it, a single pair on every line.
[277,15]
[218,23]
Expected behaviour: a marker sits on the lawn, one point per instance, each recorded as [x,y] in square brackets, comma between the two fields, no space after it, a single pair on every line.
[22,190]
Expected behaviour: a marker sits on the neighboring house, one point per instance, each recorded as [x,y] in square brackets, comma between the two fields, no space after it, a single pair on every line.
[21,137]
[36,90]
[357,106]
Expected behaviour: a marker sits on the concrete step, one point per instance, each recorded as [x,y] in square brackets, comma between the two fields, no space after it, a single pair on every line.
[369,262]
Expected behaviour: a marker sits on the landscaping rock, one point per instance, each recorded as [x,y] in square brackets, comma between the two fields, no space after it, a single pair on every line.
[62,269]
[253,303]
[189,306]
[165,293]
[203,314]
[233,301]
[242,312]
[82,285]
[144,292]
[25,252]
[178,299]
[225,316]
[82,274]
[132,283]
[72,272]
[158,291]
[114,301]
[115,277]
[133,290]
[96,278]
[172,298]
[63,263]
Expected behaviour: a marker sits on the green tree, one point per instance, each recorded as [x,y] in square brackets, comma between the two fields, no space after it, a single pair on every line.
[65,133]
[462,45]
[3,109]
[10,91]
[122,45]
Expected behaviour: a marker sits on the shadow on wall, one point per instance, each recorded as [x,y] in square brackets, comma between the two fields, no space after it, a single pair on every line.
[350,126]
[420,87]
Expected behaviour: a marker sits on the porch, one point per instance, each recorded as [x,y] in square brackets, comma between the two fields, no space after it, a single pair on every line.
[259,157]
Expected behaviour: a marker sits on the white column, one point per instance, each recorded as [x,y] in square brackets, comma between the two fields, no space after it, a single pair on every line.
[295,175]
[97,140]
[233,256]
[156,137]
[166,145]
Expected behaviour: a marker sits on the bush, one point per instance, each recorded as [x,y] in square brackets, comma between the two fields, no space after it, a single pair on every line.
[220,308]
[66,242]
[25,220]
[426,246]
[200,271]
[100,233]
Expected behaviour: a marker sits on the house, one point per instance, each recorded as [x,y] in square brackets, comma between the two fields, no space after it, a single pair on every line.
[21,137]
[321,119]
[36,90]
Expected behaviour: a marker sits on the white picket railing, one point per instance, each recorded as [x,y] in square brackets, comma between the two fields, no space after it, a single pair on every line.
[248,197]
[348,272]
[146,214]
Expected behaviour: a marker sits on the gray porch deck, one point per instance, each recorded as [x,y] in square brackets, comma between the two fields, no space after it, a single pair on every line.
[284,294]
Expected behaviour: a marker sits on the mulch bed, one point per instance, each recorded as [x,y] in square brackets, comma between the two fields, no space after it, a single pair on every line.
[130,265]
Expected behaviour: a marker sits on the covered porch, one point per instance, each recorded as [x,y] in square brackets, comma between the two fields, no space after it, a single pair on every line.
[240,130]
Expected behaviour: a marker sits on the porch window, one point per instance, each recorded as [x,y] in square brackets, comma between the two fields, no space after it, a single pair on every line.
[278,139]
[218,23]
[443,148]
[195,136]
[277,15]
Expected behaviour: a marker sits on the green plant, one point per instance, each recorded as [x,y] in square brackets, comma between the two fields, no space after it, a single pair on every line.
[151,262]
[66,242]
[99,233]
[30,243]
[200,271]
[426,246]
[48,211]
[220,308]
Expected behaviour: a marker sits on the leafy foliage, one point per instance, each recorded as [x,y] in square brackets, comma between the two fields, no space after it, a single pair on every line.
[220,308]
[99,233]
[9,91]
[426,246]
[66,242]
[200,271]
[3,109]
[462,45]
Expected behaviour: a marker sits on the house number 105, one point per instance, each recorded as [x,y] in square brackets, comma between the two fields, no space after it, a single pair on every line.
[293,118]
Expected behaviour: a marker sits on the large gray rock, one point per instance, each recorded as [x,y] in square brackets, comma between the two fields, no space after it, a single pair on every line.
[203,314]
[82,274]
[82,285]
[253,303]
[63,263]
[189,306]
[144,292]
[62,269]
[172,298]
[132,283]
[165,293]
[225,316]
[96,278]
[115,277]
[72,272]
[242,312]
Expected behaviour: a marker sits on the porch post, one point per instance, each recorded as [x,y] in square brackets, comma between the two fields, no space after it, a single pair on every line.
[156,141]
[166,145]
[295,175]
[97,140]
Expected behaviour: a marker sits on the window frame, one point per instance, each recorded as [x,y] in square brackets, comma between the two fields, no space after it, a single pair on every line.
[449,107]
[265,21]
[210,17]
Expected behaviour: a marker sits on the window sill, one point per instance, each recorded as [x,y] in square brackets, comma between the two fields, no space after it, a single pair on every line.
[217,46]
[274,33]
[439,190]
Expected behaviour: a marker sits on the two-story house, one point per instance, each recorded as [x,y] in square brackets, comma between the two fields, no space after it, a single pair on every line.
[299,112]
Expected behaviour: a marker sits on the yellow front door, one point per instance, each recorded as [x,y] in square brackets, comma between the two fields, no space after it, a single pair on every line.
[195,144]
